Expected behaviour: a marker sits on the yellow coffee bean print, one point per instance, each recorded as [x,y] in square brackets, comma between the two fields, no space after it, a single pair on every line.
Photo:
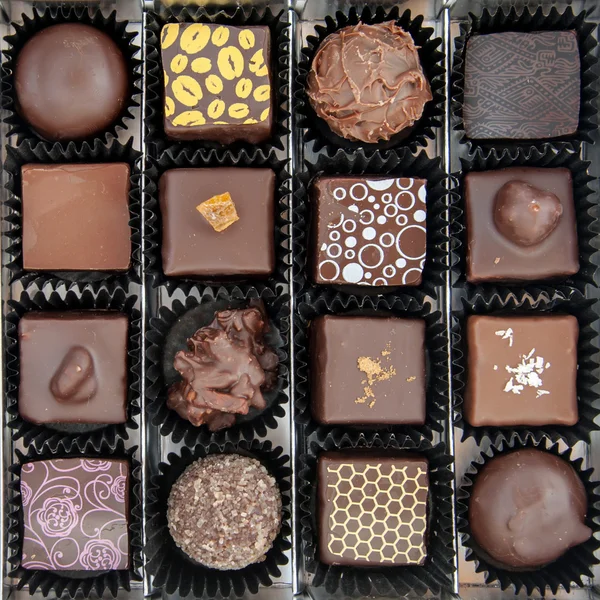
[179,63]
[262,93]
[168,35]
[243,87]
[220,36]
[220,123]
[257,64]
[195,37]
[201,65]
[169,106]
[250,122]
[230,62]
[264,115]
[189,118]
[187,90]
[239,110]
[166,79]
[214,84]
[215,109]
[246,39]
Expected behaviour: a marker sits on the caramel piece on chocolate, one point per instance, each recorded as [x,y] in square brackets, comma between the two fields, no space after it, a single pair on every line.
[219,211]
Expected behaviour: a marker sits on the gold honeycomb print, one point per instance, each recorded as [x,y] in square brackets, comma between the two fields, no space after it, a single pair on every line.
[379,512]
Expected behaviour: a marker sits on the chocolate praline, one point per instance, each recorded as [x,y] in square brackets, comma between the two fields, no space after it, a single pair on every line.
[527,508]
[71,81]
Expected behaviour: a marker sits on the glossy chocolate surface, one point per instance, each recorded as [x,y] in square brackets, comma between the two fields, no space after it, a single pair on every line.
[367,370]
[71,81]
[372,509]
[369,230]
[527,508]
[522,370]
[218,82]
[75,514]
[367,83]
[492,255]
[73,367]
[191,246]
[76,217]
[522,85]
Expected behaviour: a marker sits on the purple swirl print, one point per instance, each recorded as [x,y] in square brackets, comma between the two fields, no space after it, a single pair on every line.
[75,514]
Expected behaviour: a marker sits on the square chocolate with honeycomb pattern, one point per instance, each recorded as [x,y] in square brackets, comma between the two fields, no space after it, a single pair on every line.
[217,82]
[372,509]
[369,230]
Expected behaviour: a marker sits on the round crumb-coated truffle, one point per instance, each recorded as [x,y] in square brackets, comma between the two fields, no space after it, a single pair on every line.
[225,511]
[367,83]
[71,81]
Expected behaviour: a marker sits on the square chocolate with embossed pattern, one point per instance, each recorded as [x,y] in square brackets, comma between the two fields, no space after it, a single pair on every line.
[217,82]
[369,230]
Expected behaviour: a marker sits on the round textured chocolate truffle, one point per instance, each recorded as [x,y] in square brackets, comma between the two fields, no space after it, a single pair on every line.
[225,511]
[71,81]
[367,83]
[527,508]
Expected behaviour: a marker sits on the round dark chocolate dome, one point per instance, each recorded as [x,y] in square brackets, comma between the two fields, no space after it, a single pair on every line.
[527,508]
[71,81]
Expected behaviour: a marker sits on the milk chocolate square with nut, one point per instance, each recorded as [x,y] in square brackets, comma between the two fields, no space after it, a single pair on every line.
[369,230]
[217,82]
[73,367]
[522,370]
[367,370]
[372,508]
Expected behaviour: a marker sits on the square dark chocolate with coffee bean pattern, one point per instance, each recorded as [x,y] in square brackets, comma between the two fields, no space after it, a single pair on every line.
[369,231]
[217,81]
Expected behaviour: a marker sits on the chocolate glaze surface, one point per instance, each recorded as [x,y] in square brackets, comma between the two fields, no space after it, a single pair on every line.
[73,367]
[367,83]
[498,253]
[225,369]
[367,370]
[190,245]
[71,81]
[522,370]
[217,82]
[372,509]
[76,217]
[527,508]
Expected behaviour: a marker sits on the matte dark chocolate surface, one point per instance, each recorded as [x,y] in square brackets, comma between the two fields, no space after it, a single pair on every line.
[191,246]
[75,514]
[527,508]
[369,230]
[522,85]
[492,253]
[367,370]
[73,367]
[217,82]
[71,81]
[522,370]
[76,217]
[372,509]
[367,83]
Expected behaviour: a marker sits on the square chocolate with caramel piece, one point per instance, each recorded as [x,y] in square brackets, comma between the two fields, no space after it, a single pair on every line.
[367,370]
[217,82]
[192,246]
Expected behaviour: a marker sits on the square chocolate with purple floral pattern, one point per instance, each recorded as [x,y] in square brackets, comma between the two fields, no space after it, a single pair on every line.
[75,514]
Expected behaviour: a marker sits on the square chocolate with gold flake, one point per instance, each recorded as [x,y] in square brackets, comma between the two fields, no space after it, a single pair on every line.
[217,82]
[372,509]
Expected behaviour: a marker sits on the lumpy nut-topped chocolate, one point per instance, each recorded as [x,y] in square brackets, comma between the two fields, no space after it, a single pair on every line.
[522,85]
[217,82]
[225,511]
[522,370]
[372,509]
[367,370]
[369,230]
[367,83]
[527,508]
[225,370]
